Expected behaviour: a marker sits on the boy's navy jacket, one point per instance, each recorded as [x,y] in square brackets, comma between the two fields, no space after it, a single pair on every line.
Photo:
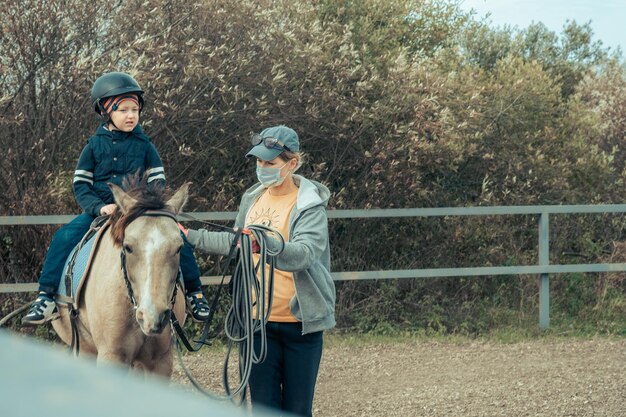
[109,156]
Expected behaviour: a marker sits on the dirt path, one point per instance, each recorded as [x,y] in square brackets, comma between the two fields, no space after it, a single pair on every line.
[554,377]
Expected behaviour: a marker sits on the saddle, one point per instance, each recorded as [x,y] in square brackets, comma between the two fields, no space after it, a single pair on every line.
[78,263]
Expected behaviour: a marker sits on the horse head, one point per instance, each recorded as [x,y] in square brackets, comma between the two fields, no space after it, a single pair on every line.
[146,231]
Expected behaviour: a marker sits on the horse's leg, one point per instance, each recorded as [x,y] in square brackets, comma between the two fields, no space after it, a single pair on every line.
[164,365]
[156,355]
[160,365]
[118,345]
[116,340]
[116,357]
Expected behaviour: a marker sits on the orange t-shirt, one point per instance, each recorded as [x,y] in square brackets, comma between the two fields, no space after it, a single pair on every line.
[273,211]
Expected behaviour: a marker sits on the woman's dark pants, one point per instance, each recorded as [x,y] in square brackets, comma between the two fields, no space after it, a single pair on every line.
[286,379]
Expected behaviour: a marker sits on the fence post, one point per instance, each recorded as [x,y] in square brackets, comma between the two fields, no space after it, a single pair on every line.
[544,279]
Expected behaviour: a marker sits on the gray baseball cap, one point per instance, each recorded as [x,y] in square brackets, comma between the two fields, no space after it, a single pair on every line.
[272,141]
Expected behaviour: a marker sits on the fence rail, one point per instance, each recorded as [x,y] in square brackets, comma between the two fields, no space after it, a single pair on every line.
[543,269]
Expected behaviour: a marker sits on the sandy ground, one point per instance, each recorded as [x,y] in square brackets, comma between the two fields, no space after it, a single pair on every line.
[546,377]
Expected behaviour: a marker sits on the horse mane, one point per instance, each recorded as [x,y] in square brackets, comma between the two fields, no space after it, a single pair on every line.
[148,197]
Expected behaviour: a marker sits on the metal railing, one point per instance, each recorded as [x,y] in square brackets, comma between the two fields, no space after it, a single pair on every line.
[543,269]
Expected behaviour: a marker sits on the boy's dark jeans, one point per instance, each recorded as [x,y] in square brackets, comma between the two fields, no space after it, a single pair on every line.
[286,379]
[70,234]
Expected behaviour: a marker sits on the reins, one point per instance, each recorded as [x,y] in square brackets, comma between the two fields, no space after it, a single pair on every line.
[178,329]
[220,227]
[232,254]
[242,319]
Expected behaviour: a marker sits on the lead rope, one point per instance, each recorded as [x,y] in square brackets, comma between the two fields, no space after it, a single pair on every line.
[242,320]
[180,332]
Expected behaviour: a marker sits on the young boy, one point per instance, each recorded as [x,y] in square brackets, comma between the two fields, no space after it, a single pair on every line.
[118,148]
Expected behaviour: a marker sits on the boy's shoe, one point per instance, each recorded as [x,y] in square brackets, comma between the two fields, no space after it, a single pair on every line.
[198,306]
[41,311]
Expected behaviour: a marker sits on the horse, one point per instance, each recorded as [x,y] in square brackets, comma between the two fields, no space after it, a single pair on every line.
[130,291]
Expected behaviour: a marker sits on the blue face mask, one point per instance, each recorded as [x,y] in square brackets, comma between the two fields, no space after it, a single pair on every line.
[270,177]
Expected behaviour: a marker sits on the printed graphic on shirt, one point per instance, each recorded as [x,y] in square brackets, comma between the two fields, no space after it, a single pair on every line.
[269,217]
[274,211]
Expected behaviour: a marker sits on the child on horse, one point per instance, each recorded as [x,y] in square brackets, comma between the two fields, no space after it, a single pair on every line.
[118,148]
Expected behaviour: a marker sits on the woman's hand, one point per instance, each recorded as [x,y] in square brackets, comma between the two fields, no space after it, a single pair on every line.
[255,245]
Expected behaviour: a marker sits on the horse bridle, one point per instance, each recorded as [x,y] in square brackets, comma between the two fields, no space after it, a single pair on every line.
[129,287]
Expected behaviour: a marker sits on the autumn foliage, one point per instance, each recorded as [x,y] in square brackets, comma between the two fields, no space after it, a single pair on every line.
[398,104]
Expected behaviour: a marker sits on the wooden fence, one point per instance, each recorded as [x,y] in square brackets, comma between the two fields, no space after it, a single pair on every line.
[543,269]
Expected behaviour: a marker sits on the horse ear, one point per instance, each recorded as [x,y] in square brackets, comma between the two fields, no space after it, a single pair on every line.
[123,200]
[179,199]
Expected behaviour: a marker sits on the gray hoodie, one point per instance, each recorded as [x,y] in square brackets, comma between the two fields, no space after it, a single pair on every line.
[307,254]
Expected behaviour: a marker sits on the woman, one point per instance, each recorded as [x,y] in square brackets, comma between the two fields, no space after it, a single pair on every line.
[304,293]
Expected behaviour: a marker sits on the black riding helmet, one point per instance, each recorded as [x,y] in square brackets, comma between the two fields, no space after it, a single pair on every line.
[113,84]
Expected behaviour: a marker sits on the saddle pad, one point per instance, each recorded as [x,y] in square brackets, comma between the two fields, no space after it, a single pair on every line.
[80,269]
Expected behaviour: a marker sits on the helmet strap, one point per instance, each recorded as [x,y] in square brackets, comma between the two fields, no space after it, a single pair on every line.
[111,122]
[103,113]
[105,116]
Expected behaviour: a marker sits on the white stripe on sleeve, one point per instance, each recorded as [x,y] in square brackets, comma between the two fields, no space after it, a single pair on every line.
[81,179]
[156,177]
[80,175]
[83,173]
[156,170]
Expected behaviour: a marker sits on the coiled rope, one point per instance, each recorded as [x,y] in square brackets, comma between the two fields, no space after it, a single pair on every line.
[250,309]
